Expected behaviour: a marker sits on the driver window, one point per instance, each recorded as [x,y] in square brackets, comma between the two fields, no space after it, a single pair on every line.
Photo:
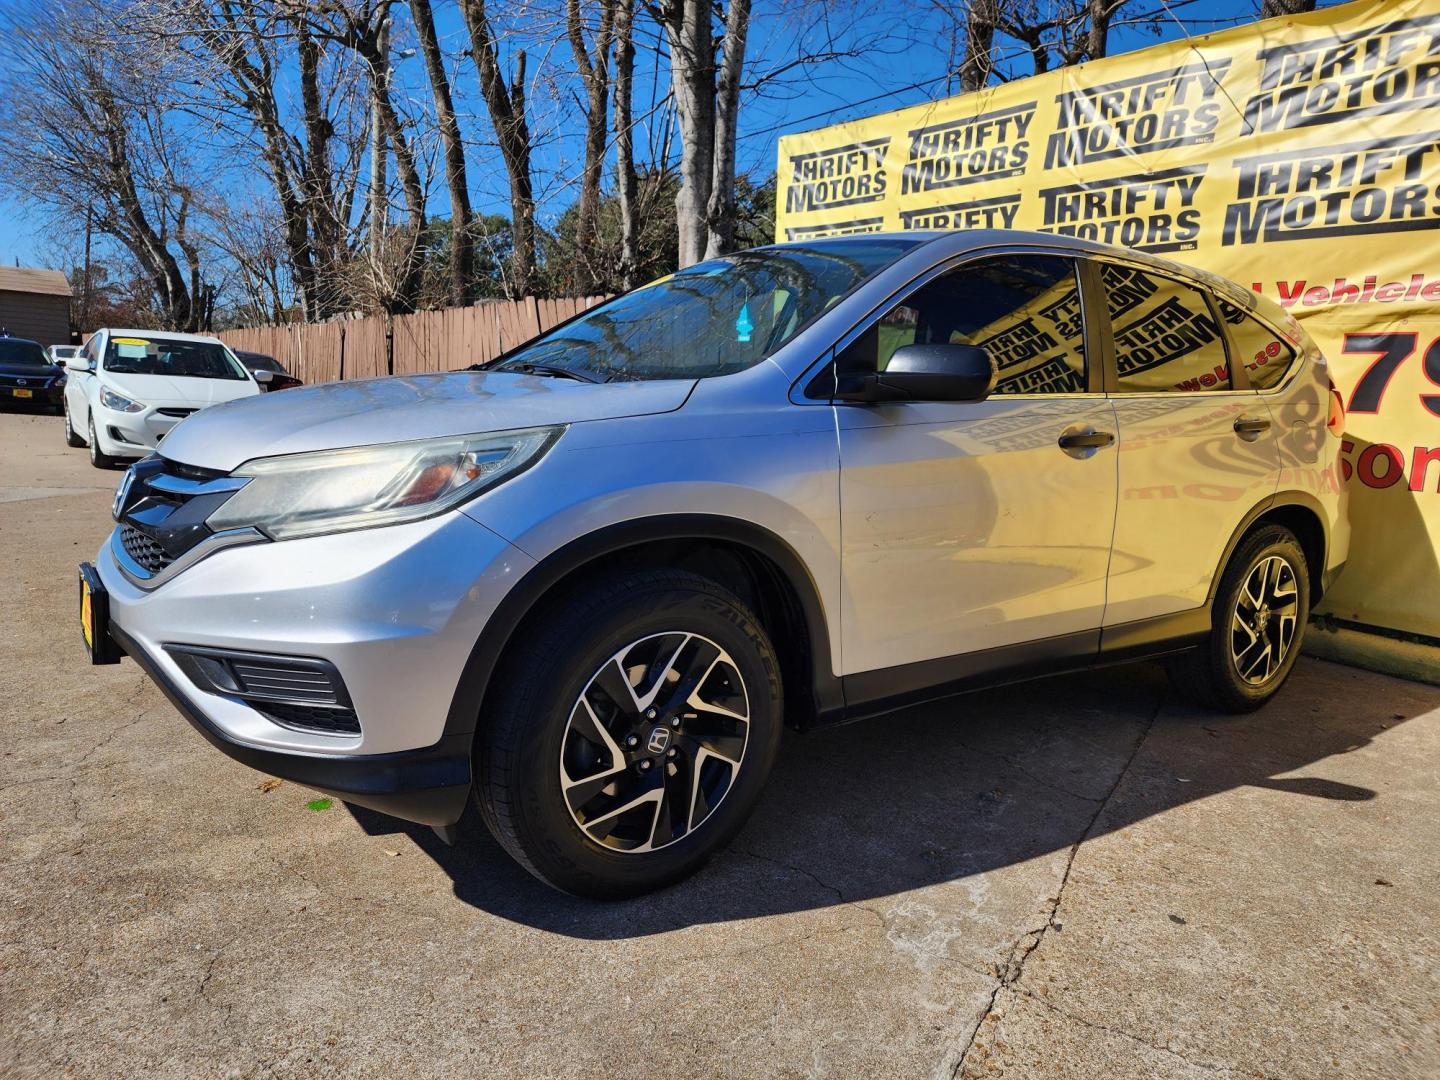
[1024,310]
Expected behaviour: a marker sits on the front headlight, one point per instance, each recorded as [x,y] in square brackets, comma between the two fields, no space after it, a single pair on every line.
[336,490]
[118,402]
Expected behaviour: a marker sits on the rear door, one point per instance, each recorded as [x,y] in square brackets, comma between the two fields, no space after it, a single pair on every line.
[1197,444]
[969,526]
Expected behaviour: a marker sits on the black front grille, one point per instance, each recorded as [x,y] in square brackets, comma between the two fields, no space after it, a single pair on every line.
[29,382]
[143,550]
[164,509]
[332,721]
[275,678]
[295,691]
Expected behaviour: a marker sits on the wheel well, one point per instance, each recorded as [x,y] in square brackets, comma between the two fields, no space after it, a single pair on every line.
[1309,530]
[750,574]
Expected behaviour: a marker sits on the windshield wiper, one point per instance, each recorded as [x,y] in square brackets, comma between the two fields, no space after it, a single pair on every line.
[554,370]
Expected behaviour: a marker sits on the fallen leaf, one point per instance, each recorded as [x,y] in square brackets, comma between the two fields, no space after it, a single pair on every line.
[1382,881]
[268,785]
[319,804]
[392,854]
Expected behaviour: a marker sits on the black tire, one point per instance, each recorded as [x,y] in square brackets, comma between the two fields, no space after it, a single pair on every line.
[563,653]
[1212,674]
[72,437]
[99,460]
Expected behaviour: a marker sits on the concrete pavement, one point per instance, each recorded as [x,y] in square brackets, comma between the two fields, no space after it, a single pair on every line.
[1083,877]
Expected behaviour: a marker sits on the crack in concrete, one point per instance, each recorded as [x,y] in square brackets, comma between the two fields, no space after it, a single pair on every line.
[1029,941]
[210,971]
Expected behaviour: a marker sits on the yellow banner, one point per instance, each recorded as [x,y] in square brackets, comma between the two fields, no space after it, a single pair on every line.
[1299,156]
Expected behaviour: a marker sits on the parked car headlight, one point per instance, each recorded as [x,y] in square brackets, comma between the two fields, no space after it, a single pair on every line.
[336,490]
[118,402]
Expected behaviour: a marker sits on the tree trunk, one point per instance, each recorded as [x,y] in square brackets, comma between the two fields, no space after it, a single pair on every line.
[720,213]
[462,242]
[327,232]
[979,59]
[595,73]
[1269,9]
[1097,34]
[625,138]
[506,106]
[692,77]
[379,155]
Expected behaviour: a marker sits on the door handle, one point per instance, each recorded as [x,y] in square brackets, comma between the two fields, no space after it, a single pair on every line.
[1251,427]
[1085,440]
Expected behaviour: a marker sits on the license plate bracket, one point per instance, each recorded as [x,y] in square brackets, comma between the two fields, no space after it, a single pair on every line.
[95,618]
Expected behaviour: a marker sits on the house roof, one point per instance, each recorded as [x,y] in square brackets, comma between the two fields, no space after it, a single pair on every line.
[22,279]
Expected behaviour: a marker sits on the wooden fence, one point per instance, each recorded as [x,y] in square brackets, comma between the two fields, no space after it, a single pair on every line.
[405,344]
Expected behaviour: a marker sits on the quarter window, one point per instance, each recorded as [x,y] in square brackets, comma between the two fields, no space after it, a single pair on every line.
[1166,337]
[1024,310]
[1266,355]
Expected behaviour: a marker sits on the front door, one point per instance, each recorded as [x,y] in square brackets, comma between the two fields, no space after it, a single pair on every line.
[974,526]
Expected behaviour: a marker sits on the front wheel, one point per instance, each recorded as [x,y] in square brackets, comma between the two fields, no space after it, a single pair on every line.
[634,729]
[1260,612]
[72,437]
[97,458]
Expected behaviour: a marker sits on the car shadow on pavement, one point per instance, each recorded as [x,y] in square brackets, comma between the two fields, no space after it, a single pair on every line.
[956,789]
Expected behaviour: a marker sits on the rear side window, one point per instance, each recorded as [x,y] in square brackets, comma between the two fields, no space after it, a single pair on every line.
[1024,310]
[1166,337]
[1266,355]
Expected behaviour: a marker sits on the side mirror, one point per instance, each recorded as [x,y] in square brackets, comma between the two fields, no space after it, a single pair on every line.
[60,362]
[263,377]
[80,363]
[940,372]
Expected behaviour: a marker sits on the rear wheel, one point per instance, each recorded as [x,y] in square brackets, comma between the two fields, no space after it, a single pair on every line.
[99,460]
[1260,612]
[634,729]
[72,437]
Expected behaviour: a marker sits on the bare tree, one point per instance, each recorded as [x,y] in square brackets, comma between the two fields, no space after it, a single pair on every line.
[625,183]
[96,129]
[594,69]
[706,93]
[506,104]
[462,242]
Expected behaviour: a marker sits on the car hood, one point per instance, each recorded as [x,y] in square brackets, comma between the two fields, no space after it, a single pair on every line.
[31,371]
[332,416]
[178,389]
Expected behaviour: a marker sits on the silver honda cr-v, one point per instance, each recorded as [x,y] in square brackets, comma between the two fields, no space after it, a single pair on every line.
[800,484]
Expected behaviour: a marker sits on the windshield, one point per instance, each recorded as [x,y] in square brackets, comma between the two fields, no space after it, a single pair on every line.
[21,352]
[710,319]
[188,359]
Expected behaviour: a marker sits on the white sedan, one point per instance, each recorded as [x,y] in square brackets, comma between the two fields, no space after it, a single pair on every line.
[128,388]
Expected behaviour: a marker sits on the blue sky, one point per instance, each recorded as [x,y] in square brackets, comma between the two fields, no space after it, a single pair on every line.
[894,55]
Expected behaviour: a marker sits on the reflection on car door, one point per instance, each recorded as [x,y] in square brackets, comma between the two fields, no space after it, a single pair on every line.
[1196,450]
[966,526]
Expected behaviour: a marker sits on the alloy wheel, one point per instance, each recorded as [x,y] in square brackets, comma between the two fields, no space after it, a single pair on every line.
[654,742]
[1263,625]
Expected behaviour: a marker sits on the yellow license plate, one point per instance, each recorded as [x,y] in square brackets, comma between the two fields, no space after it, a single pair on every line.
[23,393]
[87,614]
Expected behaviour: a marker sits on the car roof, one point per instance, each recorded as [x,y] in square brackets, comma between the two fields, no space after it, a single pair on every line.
[22,340]
[158,335]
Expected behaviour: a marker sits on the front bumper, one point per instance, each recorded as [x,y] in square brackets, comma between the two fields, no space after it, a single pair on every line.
[50,396]
[429,785]
[129,433]
[395,610]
